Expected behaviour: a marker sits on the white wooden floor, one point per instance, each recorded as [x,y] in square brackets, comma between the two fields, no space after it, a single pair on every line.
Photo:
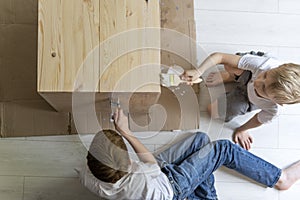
[271,26]
[42,168]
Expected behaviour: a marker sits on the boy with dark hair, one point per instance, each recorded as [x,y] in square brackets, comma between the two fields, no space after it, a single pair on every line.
[185,170]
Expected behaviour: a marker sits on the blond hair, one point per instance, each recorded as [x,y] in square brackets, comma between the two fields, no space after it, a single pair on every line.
[286,87]
[107,158]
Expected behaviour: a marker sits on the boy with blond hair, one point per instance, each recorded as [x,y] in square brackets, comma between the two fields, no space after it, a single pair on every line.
[263,83]
[185,170]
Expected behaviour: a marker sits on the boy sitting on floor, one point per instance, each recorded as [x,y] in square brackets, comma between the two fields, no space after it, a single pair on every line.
[185,170]
[263,83]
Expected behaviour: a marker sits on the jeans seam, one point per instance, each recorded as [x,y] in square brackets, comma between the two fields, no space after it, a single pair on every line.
[175,186]
[249,157]
[276,179]
[262,163]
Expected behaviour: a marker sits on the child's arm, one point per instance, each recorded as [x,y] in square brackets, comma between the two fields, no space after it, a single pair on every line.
[121,124]
[216,78]
[230,62]
[241,135]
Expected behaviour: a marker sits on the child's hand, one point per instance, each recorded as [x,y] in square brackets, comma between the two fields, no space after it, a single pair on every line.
[243,138]
[121,121]
[213,79]
[190,76]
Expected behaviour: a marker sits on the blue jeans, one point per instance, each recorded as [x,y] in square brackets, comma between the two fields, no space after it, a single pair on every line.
[189,166]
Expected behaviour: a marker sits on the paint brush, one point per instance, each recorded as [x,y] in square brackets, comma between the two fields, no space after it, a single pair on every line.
[172,77]
[171,80]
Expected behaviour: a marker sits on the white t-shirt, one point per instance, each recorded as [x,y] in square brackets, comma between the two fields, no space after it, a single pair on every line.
[258,64]
[144,181]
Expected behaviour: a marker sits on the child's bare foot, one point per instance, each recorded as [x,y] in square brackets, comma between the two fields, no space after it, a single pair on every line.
[288,176]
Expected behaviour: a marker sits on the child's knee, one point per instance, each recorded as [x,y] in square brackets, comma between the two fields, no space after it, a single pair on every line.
[224,143]
[203,137]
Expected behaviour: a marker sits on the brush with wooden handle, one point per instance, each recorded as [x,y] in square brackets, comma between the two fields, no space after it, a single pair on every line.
[171,80]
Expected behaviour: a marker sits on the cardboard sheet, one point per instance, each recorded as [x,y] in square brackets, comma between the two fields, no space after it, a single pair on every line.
[23,112]
[32,118]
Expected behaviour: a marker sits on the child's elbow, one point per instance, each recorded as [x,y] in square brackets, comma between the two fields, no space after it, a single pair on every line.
[217,54]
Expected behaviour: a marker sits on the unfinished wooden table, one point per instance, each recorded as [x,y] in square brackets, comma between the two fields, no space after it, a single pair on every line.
[104,50]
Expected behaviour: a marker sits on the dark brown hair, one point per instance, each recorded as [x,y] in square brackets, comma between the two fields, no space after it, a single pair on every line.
[102,171]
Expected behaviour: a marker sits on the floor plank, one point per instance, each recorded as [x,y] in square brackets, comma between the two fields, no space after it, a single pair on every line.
[45,188]
[11,187]
[40,158]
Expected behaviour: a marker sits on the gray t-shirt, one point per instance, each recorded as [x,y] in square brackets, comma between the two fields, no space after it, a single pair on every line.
[258,64]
